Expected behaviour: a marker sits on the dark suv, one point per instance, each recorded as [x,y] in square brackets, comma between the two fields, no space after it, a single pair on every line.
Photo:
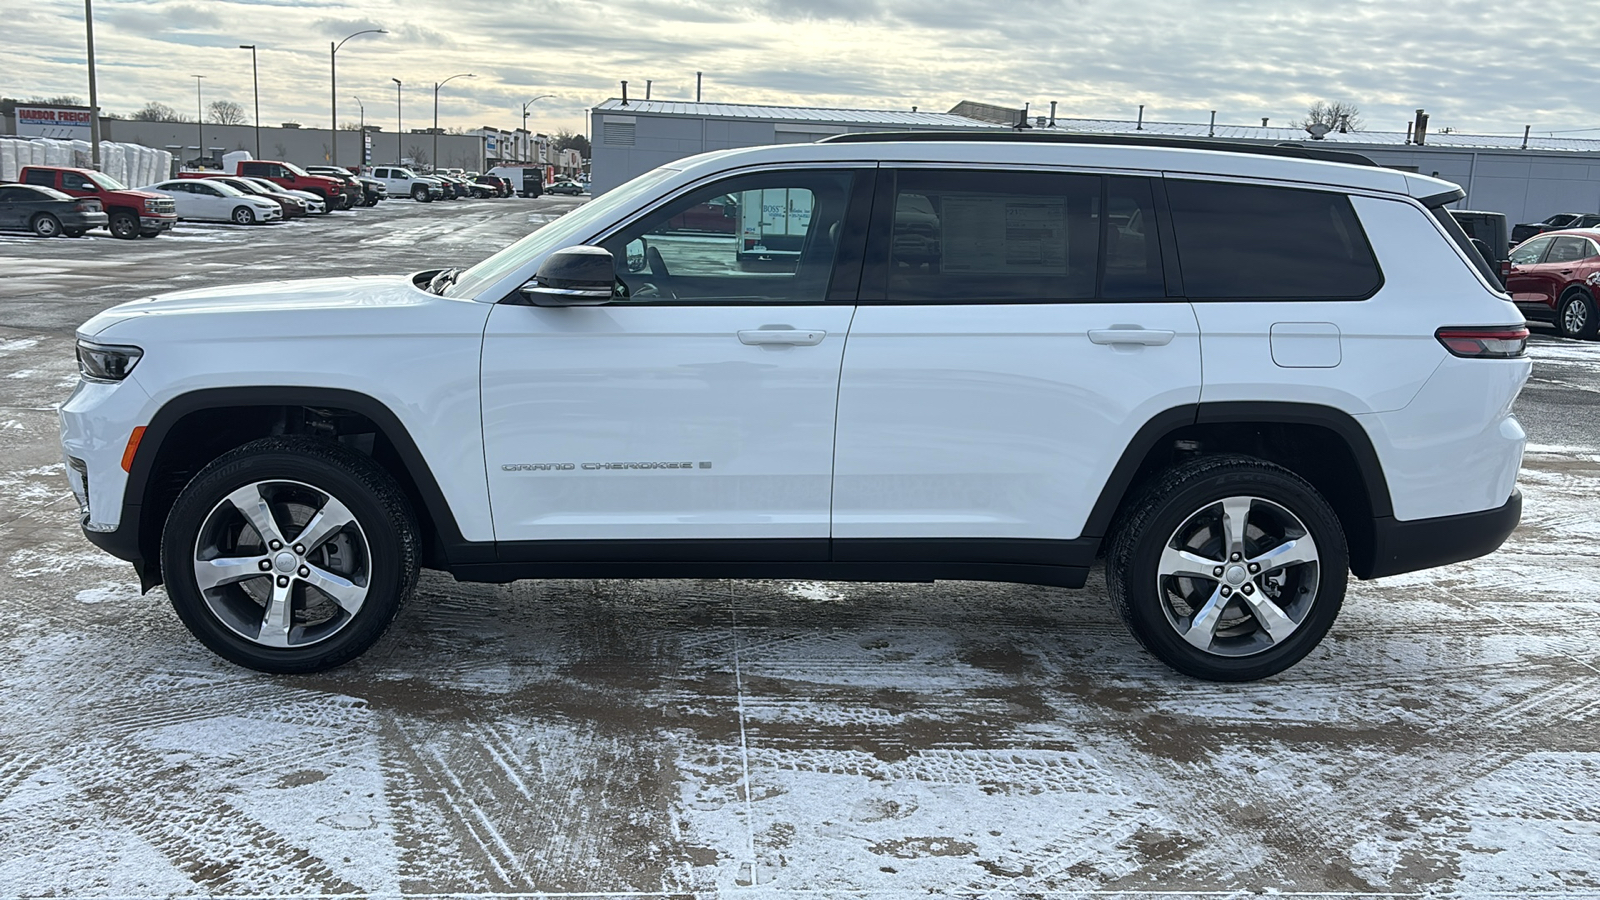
[1554,277]
[1556,222]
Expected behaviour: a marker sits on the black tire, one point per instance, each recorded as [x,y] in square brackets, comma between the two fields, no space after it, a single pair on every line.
[419,193]
[1240,647]
[1577,317]
[46,226]
[74,232]
[386,546]
[244,215]
[124,225]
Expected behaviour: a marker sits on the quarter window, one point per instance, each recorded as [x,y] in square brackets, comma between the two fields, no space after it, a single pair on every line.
[1252,242]
[765,238]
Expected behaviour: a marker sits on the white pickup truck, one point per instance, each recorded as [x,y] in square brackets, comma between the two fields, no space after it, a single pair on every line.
[402,182]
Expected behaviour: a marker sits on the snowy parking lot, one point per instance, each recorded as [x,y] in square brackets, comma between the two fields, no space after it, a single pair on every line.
[766,739]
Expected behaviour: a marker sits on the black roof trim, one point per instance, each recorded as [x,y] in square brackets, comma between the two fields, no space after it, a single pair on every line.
[1433,201]
[1292,151]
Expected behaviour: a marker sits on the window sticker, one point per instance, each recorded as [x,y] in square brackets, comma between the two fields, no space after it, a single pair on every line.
[999,234]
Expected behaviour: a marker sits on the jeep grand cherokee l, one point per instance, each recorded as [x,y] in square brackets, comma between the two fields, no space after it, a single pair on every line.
[1237,375]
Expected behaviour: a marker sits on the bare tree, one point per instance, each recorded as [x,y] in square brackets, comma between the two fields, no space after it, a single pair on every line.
[226,112]
[418,154]
[157,112]
[349,126]
[1338,115]
[281,150]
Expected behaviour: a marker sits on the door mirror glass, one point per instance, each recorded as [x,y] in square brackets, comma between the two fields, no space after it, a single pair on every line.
[573,276]
[636,250]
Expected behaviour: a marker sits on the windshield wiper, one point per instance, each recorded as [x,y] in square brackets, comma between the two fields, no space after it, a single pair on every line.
[439,282]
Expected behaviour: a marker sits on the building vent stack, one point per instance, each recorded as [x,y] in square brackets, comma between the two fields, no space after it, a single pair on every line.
[1525,130]
[1263,121]
[1420,132]
[1140,126]
[647,83]
[1213,130]
[624,93]
[1052,113]
[697,87]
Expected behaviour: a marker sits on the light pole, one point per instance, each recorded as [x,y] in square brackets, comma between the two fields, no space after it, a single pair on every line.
[333,83]
[361,145]
[199,121]
[399,130]
[436,86]
[525,106]
[255,76]
[94,101]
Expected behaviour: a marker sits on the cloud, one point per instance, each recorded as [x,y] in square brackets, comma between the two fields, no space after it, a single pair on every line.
[1467,62]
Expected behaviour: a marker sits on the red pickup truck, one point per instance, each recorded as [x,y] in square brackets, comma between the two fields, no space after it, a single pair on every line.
[130,213]
[334,192]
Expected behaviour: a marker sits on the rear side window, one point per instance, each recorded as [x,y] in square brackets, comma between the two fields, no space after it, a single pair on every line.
[41,176]
[1252,242]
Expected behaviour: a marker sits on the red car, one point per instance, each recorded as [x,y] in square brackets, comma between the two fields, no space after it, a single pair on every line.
[1555,276]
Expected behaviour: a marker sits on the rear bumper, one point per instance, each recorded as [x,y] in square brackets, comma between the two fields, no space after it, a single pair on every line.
[1400,547]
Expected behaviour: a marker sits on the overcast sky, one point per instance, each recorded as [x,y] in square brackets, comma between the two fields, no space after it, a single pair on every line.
[1476,66]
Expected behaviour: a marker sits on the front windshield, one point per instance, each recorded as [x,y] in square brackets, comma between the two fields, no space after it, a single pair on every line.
[296,169]
[555,235]
[105,182]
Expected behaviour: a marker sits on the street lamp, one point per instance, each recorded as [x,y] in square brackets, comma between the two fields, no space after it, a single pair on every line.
[333,83]
[256,77]
[525,121]
[199,121]
[94,99]
[436,86]
[361,145]
[399,131]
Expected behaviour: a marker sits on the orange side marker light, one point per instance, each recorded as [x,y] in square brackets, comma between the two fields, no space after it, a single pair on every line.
[133,447]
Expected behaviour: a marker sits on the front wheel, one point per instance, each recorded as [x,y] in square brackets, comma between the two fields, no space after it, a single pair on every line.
[124,225]
[46,225]
[1577,318]
[244,215]
[290,555]
[1228,568]
[420,194]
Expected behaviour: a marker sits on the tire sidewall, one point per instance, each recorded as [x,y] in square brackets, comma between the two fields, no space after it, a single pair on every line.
[244,215]
[123,225]
[387,585]
[1139,563]
[46,225]
[1590,326]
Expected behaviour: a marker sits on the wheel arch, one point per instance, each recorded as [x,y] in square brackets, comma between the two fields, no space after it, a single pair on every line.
[195,428]
[1322,444]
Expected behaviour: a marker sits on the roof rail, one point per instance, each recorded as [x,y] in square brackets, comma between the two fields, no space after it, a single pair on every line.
[1292,151]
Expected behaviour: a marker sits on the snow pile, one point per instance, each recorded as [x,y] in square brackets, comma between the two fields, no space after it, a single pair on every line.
[130,164]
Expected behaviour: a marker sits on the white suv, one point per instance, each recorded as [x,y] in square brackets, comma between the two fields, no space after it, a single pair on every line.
[1238,374]
[400,181]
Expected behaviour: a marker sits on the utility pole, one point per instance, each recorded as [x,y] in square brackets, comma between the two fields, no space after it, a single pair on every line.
[399,130]
[333,90]
[94,99]
[255,76]
[199,121]
[436,86]
[361,146]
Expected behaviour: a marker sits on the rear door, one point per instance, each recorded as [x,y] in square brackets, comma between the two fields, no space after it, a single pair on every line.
[1009,340]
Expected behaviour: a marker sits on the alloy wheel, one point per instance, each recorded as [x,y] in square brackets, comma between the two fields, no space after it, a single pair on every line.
[1238,576]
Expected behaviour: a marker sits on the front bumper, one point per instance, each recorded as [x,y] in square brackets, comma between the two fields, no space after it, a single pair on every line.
[1399,547]
[156,224]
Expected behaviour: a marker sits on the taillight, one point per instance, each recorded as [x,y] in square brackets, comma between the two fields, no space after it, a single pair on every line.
[1485,341]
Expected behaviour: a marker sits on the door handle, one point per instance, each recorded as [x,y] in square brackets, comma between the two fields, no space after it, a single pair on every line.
[1146,337]
[803,337]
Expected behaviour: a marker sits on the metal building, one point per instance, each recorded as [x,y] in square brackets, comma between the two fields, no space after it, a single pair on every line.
[1525,179]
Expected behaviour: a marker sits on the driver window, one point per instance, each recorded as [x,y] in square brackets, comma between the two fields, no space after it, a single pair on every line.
[765,238]
[1528,254]
[75,182]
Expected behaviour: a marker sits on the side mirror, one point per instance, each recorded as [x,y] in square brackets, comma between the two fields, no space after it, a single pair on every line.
[573,276]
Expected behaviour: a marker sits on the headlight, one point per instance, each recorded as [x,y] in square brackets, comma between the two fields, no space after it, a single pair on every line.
[102,362]
[149,204]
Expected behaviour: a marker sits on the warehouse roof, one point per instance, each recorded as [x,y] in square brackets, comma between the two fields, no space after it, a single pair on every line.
[812,114]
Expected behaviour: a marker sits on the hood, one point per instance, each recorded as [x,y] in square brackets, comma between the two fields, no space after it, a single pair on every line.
[298,297]
[142,194]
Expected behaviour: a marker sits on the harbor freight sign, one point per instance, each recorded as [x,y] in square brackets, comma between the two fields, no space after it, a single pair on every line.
[53,122]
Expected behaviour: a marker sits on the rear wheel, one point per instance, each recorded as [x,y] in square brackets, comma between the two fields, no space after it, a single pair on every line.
[73,232]
[290,554]
[124,225]
[46,225]
[244,215]
[1228,568]
[1577,317]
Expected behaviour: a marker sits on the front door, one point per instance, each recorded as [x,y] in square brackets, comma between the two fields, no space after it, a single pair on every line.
[699,404]
[1524,283]
[1012,334]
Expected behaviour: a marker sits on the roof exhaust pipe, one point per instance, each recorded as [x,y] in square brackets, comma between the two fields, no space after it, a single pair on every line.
[1052,113]
[624,93]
